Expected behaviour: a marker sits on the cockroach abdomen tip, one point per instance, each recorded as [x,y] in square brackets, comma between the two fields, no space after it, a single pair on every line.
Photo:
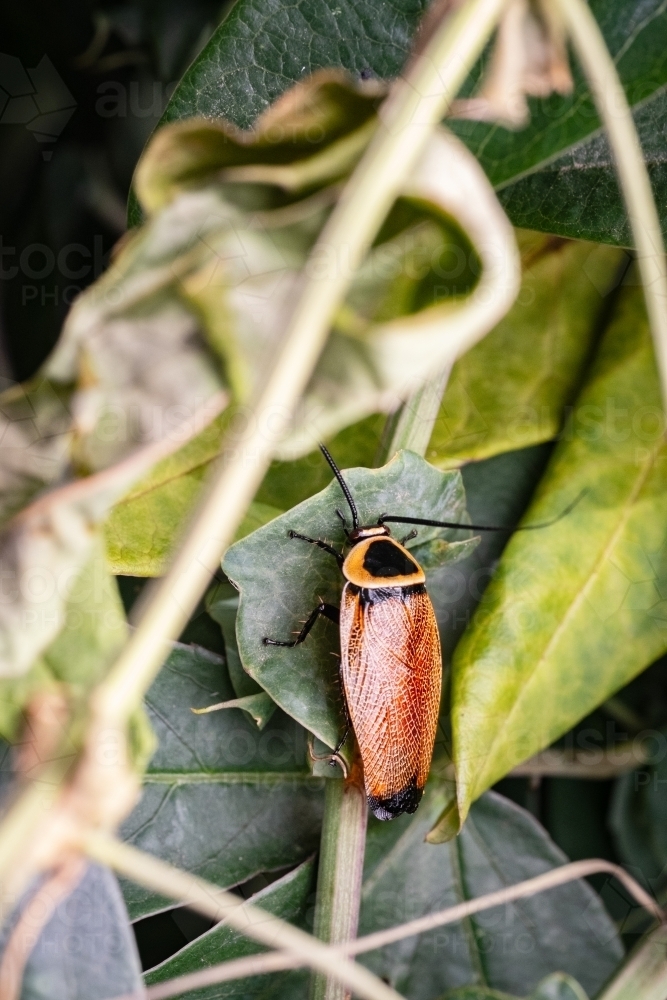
[404,801]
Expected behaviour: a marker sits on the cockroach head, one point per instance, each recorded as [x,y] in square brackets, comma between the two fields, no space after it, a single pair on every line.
[368,531]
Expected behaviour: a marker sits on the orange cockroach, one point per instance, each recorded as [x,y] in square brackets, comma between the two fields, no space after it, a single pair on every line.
[391,664]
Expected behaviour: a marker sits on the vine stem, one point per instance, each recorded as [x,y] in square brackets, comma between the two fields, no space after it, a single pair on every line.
[340,872]
[242,916]
[631,974]
[343,841]
[616,116]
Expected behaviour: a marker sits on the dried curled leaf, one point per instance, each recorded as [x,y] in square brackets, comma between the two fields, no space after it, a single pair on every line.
[45,548]
[310,136]
[529,59]
[443,270]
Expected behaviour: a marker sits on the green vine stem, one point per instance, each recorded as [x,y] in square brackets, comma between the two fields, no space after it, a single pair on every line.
[343,840]
[416,419]
[615,113]
[340,872]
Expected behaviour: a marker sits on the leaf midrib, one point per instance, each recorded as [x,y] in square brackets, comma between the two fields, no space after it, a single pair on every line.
[228,777]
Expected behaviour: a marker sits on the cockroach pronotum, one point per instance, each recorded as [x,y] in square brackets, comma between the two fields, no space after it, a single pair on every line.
[391,664]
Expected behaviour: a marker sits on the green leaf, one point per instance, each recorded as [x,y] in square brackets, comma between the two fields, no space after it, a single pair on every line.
[260,50]
[644,974]
[222,604]
[498,491]
[510,949]
[576,610]
[260,707]
[221,799]
[290,898]
[638,815]
[282,579]
[86,949]
[288,483]
[556,175]
[576,194]
[512,389]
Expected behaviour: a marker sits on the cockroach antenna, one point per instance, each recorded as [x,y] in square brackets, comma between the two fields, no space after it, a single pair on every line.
[484,527]
[343,485]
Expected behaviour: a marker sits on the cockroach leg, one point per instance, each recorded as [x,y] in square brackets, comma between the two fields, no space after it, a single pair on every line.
[411,534]
[325,610]
[345,735]
[321,545]
[331,758]
[341,516]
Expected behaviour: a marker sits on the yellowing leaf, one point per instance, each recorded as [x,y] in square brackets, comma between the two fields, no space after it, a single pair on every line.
[144,527]
[578,609]
[512,389]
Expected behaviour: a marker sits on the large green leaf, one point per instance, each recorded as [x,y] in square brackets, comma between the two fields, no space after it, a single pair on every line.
[555,175]
[290,898]
[498,491]
[510,948]
[220,798]
[281,579]
[512,389]
[576,610]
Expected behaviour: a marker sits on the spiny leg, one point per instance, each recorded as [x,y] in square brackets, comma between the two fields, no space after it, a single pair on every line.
[410,534]
[325,610]
[321,545]
[341,516]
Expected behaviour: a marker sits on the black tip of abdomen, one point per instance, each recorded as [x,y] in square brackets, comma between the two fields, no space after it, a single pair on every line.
[405,801]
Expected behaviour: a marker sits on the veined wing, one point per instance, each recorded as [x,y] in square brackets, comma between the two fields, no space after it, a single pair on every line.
[392,671]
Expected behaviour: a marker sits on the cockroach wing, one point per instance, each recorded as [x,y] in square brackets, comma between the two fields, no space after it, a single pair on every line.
[392,672]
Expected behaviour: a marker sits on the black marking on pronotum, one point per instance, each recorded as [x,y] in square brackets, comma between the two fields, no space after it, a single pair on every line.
[384,559]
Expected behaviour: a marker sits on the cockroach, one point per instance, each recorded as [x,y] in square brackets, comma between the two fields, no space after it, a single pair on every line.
[391,664]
